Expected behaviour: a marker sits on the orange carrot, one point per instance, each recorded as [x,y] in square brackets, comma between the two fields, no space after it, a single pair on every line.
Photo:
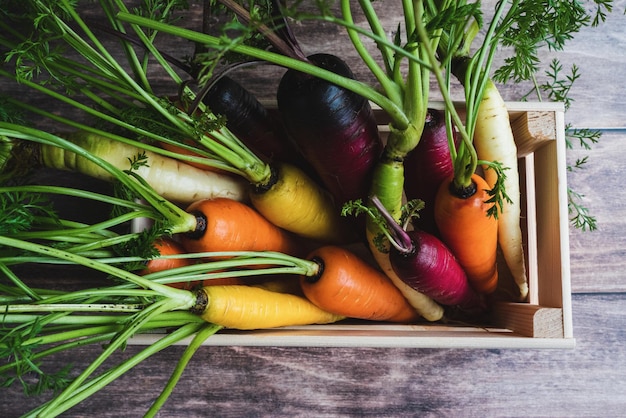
[166,246]
[346,285]
[228,225]
[469,232]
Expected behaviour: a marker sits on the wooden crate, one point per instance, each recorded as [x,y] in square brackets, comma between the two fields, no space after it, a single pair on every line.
[544,321]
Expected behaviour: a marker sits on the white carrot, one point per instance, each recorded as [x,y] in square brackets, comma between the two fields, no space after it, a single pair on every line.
[172,179]
[493,139]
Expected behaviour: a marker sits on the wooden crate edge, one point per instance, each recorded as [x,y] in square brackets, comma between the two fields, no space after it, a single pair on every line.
[532,321]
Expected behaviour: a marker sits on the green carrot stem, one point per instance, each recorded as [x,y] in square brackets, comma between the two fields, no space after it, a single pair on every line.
[193,346]
[379,31]
[26,290]
[91,232]
[164,320]
[74,192]
[184,298]
[206,157]
[238,156]
[89,299]
[141,317]
[222,150]
[78,391]
[148,43]
[390,88]
[278,59]
[181,220]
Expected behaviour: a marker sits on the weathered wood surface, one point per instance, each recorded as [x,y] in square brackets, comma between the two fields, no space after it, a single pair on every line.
[586,381]
[598,258]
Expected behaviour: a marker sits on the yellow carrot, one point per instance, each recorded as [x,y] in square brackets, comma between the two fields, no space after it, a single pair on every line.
[247,308]
[493,139]
[296,203]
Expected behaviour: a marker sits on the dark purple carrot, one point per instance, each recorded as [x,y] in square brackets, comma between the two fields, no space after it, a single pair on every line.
[423,262]
[426,167]
[429,267]
[334,128]
[257,127]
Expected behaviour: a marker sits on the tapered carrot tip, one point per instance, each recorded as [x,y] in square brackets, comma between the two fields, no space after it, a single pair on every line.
[490,284]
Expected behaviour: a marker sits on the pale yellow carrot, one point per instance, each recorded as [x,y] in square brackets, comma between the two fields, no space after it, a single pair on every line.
[494,141]
[172,179]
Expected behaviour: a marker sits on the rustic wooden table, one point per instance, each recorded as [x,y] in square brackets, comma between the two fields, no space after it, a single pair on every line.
[588,380]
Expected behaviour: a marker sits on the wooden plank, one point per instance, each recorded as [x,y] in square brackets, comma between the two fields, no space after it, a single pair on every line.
[532,129]
[288,381]
[530,320]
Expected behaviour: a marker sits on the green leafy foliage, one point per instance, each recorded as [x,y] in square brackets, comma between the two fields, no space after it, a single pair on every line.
[537,24]
[17,347]
[580,217]
[557,87]
[498,193]
[19,211]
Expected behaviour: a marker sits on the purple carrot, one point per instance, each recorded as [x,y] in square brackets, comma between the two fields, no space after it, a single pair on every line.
[427,166]
[334,128]
[250,121]
[424,263]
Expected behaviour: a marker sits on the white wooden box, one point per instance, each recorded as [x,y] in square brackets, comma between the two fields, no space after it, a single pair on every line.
[544,321]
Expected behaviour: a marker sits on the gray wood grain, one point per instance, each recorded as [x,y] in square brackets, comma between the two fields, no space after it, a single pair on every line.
[339,382]
[598,258]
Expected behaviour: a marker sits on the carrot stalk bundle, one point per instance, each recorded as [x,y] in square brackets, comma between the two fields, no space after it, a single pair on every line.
[488,119]
[154,115]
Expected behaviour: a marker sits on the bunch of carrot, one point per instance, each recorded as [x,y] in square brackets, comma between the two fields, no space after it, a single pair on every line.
[285,210]
[236,236]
